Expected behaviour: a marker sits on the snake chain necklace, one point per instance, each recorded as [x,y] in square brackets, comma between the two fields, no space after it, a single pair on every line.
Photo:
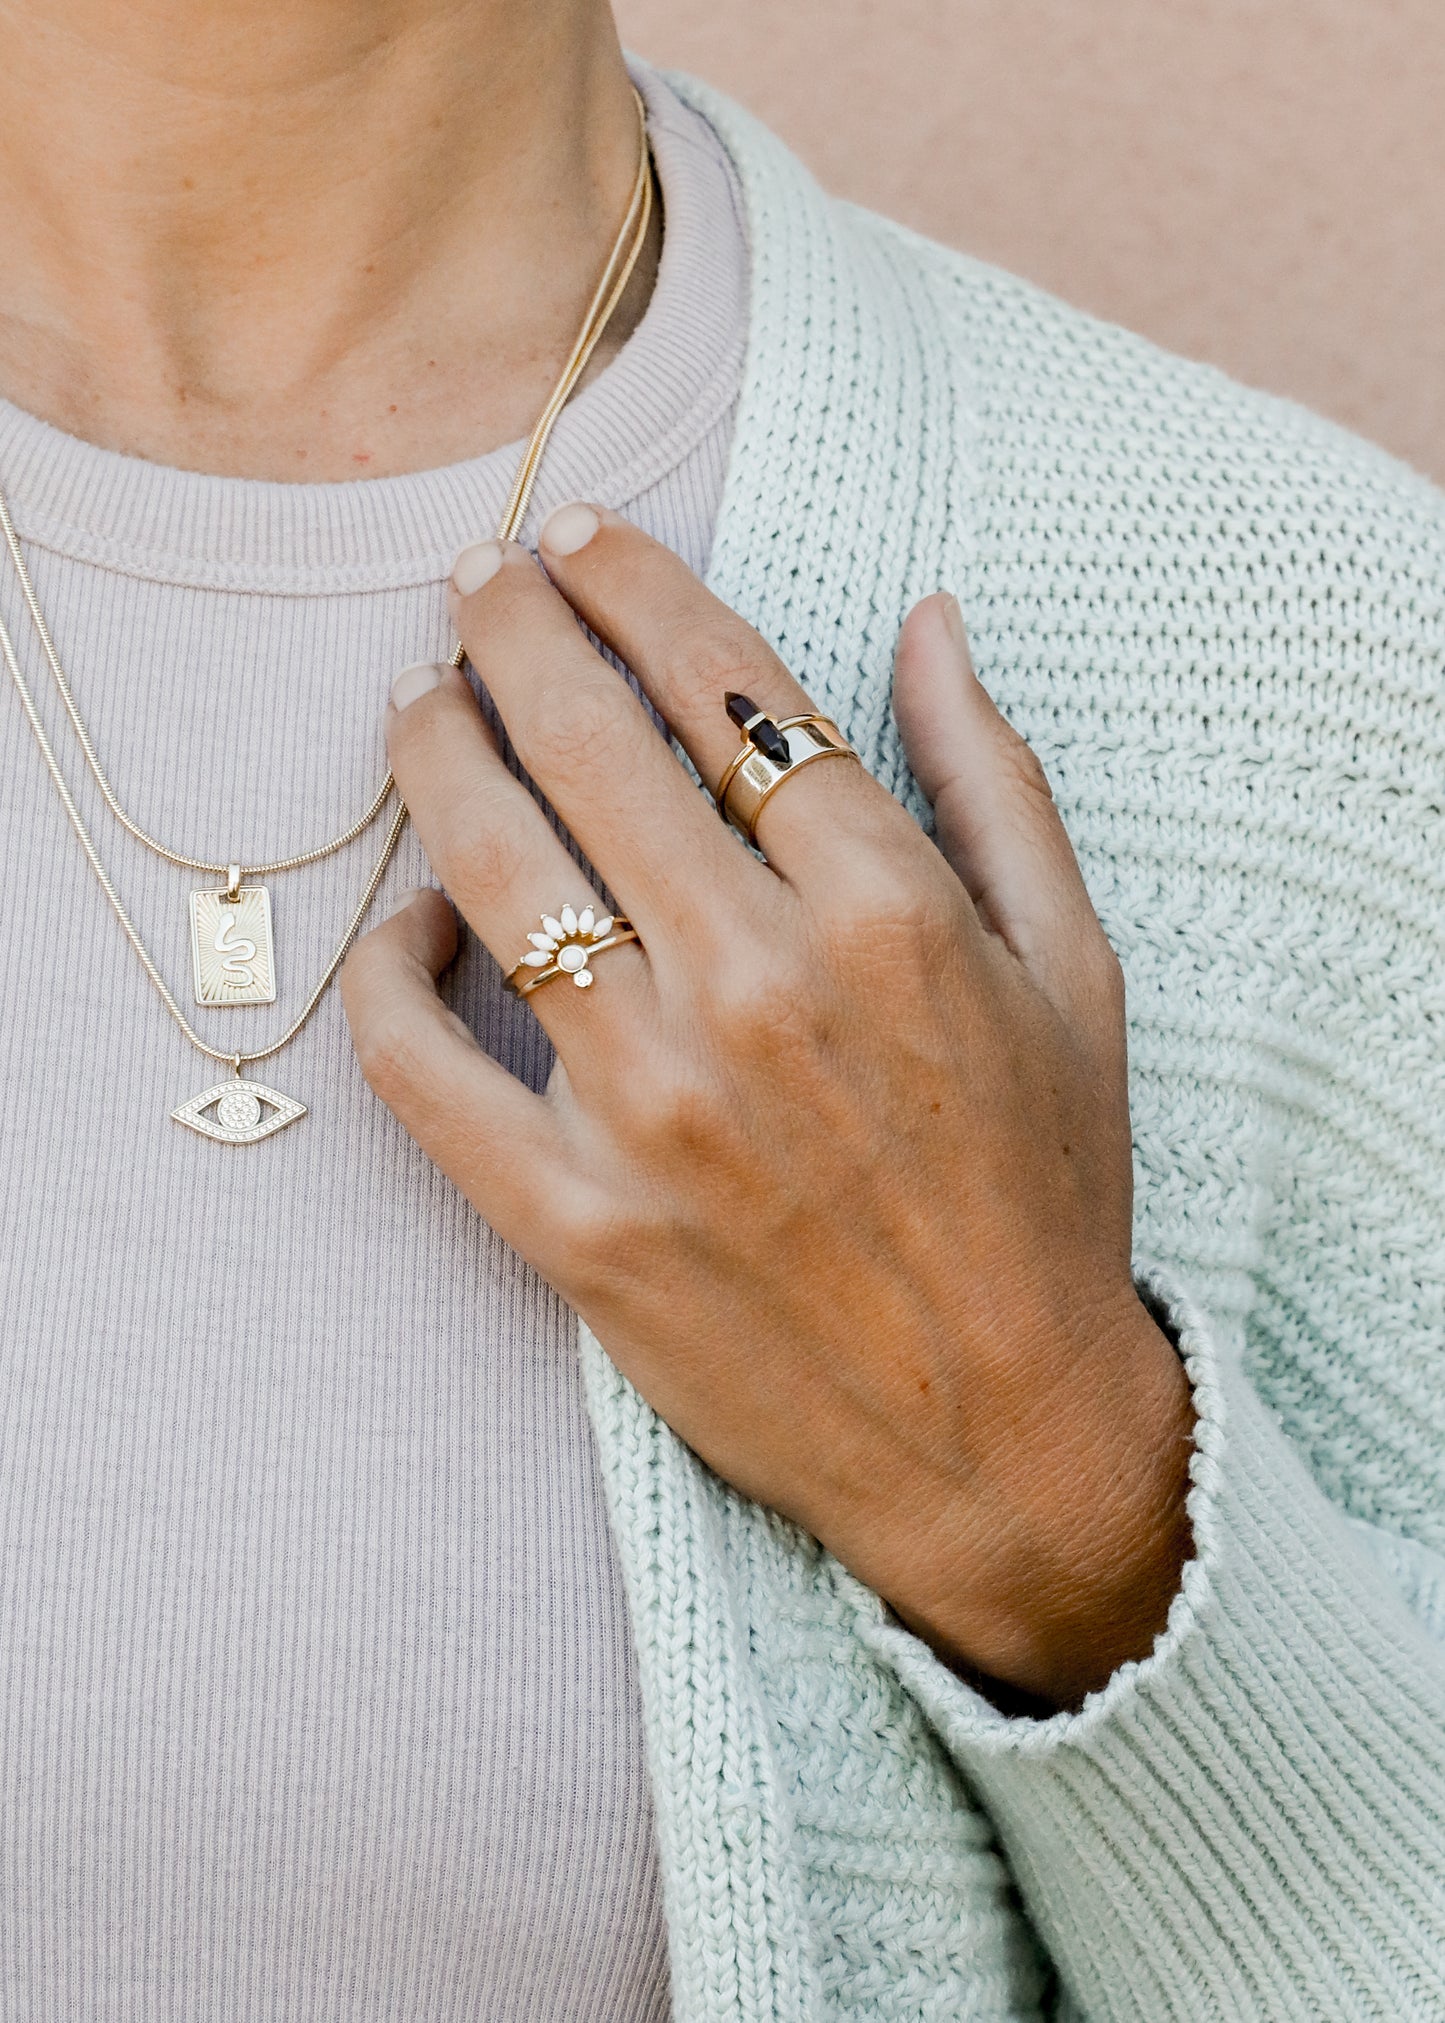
[232,949]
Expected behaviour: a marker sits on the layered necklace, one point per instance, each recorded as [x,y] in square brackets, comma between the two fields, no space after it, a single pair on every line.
[233,960]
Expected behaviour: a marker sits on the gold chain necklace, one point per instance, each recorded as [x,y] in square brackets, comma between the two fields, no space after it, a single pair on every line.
[237,918]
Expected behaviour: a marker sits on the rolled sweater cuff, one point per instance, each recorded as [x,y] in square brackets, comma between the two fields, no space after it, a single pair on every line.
[1249,1822]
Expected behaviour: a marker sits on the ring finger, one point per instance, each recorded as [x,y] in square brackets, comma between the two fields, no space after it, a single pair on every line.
[498,857]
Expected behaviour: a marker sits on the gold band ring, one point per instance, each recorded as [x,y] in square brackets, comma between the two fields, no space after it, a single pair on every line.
[565,946]
[773,750]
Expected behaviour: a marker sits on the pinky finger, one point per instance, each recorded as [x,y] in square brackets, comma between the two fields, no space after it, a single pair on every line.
[500,1143]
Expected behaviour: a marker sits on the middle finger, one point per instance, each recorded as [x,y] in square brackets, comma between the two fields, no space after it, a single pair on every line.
[590,745]
[827,824]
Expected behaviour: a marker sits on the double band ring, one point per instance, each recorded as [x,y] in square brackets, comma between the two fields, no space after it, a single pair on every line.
[773,750]
[565,946]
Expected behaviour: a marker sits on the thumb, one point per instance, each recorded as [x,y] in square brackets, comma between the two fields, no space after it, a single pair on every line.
[994,813]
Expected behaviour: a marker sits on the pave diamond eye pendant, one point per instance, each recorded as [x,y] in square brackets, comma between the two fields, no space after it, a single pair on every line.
[233,957]
[238,1112]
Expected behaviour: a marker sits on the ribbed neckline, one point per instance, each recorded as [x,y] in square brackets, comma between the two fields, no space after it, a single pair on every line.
[667,387]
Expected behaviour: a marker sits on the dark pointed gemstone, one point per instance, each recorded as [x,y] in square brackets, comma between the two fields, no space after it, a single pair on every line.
[765,734]
[771,742]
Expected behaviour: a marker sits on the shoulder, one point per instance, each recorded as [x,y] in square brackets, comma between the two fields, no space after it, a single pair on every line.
[1152,557]
[1271,582]
[1075,467]
[1064,406]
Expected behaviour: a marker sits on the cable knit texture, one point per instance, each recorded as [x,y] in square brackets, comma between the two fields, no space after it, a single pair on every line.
[1219,622]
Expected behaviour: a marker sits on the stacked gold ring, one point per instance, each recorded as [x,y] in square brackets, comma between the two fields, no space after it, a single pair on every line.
[772,751]
[565,945]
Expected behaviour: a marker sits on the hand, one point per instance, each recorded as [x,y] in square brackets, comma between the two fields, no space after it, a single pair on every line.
[836,1161]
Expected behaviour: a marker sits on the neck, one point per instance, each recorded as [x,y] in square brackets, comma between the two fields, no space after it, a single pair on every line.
[305,239]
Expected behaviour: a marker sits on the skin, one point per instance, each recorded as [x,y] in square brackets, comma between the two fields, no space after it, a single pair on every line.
[306,239]
[837,1163]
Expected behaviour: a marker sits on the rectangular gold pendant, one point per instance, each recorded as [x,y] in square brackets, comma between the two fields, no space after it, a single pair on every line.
[232,957]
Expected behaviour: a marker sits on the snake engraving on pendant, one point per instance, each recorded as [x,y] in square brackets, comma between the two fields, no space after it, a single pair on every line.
[232,961]
[237,954]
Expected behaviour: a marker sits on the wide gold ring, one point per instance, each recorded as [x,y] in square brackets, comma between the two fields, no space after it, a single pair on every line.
[772,751]
[565,946]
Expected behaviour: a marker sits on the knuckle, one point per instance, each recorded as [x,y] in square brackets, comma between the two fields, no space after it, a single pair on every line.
[1025,764]
[741,978]
[678,1107]
[386,1047]
[585,1218]
[767,1007]
[893,900]
[889,931]
[580,734]
[714,653]
[482,855]
[603,1235]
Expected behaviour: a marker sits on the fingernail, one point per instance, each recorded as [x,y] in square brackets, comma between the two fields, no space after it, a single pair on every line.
[475,566]
[953,619]
[417,680]
[569,528]
[405,899]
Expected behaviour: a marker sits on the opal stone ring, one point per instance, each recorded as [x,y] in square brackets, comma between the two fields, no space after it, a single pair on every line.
[565,946]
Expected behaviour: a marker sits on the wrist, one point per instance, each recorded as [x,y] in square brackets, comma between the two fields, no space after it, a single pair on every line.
[1056,1558]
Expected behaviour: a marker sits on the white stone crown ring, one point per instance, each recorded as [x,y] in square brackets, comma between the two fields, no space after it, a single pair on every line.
[565,947]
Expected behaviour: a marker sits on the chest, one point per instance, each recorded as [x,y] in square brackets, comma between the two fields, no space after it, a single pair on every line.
[319,1690]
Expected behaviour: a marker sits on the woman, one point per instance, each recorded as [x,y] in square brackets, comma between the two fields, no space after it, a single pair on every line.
[906,1607]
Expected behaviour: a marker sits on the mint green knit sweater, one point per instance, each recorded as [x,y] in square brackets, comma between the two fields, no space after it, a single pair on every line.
[1221,624]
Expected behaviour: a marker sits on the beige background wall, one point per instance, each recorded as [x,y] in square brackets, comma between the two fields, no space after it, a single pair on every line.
[1256,182]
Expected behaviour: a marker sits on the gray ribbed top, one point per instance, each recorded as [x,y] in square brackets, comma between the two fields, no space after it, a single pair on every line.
[317,1696]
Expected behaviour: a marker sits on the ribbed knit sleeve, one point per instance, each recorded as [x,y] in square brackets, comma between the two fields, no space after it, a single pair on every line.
[1250,1822]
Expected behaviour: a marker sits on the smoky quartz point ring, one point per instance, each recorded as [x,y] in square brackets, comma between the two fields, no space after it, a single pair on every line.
[773,749]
